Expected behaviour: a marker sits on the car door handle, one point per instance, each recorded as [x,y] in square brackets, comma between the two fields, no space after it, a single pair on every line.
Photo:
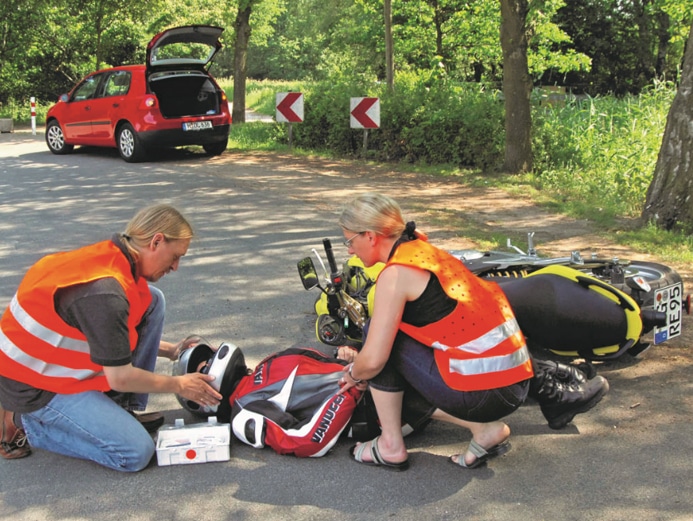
[116,105]
[87,107]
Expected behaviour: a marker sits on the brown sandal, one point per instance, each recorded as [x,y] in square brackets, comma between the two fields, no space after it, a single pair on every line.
[13,444]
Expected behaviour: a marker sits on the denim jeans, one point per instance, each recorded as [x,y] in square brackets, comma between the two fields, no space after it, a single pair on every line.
[412,368]
[144,356]
[94,426]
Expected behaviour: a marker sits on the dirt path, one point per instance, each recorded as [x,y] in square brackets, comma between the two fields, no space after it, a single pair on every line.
[444,205]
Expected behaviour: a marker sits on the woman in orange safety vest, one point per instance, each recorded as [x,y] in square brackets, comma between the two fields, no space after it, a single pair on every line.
[435,329]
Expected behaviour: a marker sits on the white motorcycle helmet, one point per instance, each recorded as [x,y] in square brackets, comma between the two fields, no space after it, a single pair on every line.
[226,363]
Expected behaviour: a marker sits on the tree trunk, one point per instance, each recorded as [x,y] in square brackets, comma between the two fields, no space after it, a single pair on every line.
[389,48]
[663,39]
[98,30]
[517,86]
[240,56]
[668,203]
[438,23]
[646,59]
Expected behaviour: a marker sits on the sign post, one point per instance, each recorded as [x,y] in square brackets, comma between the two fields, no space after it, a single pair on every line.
[365,114]
[289,110]
[32,100]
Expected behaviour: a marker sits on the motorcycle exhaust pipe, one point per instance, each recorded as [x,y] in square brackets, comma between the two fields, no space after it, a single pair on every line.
[651,319]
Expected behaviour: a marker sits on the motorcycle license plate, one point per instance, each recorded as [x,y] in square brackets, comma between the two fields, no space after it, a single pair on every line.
[197,125]
[669,300]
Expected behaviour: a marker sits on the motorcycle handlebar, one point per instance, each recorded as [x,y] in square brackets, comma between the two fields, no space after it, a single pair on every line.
[330,256]
[335,275]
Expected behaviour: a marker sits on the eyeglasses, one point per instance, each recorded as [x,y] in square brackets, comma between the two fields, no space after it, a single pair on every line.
[347,243]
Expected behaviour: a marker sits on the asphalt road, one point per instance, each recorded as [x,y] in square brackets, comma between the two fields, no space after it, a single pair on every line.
[255,216]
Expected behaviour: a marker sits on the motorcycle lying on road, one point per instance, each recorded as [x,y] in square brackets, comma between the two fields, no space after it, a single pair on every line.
[594,308]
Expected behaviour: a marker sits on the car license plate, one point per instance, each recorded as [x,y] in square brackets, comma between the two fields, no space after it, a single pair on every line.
[669,300]
[197,125]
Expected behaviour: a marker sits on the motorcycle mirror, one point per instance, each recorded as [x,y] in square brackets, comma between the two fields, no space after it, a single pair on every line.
[308,273]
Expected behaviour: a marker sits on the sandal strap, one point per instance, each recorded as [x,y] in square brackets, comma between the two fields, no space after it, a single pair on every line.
[375,452]
[19,438]
[477,449]
[361,448]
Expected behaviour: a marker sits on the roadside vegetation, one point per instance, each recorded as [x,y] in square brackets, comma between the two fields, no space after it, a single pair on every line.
[594,156]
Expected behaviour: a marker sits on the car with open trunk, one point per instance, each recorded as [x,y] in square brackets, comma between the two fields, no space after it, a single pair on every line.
[170,101]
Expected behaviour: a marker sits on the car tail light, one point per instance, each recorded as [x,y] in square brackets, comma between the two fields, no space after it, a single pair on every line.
[223,96]
[149,102]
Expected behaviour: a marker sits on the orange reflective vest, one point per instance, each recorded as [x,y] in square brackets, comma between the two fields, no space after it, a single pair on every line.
[37,347]
[479,345]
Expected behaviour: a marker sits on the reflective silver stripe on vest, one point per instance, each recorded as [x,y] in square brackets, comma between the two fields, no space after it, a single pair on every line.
[489,365]
[41,367]
[47,335]
[486,341]
[15,353]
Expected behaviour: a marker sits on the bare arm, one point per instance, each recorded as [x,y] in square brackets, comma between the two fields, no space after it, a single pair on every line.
[168,350]
[396,286]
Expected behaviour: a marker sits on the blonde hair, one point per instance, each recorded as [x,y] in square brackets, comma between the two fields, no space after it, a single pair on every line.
[159,218]
[373,212]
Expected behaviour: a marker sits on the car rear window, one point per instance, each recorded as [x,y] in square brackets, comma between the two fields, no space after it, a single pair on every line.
[182,53]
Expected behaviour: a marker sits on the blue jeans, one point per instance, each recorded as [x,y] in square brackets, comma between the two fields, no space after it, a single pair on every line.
[412,368]
[93,426]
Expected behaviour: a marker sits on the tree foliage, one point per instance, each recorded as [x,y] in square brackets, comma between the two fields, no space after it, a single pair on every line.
[47,45]
[631,43]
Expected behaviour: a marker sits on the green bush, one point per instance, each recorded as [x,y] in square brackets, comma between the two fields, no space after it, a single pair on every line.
[326,123]
[20,112]
[421,121]
[601,149]
[443,124]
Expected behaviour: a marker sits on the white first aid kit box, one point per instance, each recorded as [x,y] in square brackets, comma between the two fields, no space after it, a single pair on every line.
[180,444]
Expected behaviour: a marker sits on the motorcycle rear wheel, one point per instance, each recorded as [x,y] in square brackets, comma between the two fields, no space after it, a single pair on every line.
[657,276]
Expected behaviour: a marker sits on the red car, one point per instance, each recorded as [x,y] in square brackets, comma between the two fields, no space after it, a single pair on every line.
[170,101]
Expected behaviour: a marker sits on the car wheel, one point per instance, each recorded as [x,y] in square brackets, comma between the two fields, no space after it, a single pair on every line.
[129,145]
[215,149]
[55,139]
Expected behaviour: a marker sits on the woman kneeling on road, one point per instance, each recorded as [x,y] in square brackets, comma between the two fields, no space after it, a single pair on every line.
[438,329]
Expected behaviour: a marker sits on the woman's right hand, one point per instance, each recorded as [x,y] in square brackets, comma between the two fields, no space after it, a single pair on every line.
[346,353]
